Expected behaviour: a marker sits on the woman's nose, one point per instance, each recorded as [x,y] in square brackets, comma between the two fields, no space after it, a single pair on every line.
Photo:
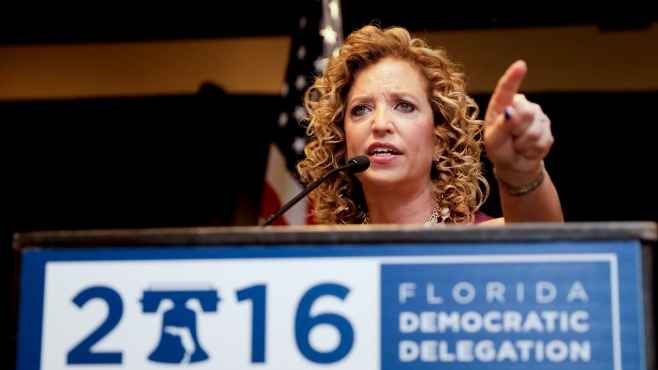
[382,120]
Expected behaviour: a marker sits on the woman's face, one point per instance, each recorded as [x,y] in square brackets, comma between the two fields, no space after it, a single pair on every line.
[390,120]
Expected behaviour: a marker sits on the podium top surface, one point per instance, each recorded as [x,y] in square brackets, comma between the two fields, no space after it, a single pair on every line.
[644,231]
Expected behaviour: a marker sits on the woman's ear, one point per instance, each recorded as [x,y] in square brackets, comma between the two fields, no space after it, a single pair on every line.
[438,148]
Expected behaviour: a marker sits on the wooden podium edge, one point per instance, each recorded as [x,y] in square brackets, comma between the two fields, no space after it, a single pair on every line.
[645,231]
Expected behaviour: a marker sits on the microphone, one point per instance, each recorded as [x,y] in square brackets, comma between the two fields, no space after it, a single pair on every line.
[357,164]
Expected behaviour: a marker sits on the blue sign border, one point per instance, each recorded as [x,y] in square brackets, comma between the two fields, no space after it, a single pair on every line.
[627,258]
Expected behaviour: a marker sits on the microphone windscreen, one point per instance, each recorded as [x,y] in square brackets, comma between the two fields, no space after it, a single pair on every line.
[361,163]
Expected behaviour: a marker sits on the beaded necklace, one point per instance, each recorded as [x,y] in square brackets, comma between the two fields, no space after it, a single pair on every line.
[444,213]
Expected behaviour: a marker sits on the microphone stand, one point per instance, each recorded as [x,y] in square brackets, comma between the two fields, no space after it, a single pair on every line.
[299,196]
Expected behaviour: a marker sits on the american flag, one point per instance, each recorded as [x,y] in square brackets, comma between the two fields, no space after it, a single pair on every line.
[318,35]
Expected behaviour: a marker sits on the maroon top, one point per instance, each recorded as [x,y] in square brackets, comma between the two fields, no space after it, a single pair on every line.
[480,217]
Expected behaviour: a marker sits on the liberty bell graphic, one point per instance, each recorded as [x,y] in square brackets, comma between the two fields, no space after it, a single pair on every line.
[178,339]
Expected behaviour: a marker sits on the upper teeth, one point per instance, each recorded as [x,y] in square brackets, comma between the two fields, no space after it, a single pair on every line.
[385,151]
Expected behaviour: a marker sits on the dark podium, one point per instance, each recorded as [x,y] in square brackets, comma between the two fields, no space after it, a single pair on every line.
[526,296]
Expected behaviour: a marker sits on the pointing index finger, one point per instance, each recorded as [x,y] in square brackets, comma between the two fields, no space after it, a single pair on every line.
[508,85]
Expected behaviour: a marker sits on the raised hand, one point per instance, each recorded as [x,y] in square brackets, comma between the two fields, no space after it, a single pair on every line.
[517,133]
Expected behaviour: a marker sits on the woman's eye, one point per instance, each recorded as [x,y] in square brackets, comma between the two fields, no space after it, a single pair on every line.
[359,110]
[405,106]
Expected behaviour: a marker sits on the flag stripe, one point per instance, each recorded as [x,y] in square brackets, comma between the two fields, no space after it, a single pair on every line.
[280,185]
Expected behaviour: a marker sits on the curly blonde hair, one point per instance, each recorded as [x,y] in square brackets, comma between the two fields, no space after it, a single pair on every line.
[457,176]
